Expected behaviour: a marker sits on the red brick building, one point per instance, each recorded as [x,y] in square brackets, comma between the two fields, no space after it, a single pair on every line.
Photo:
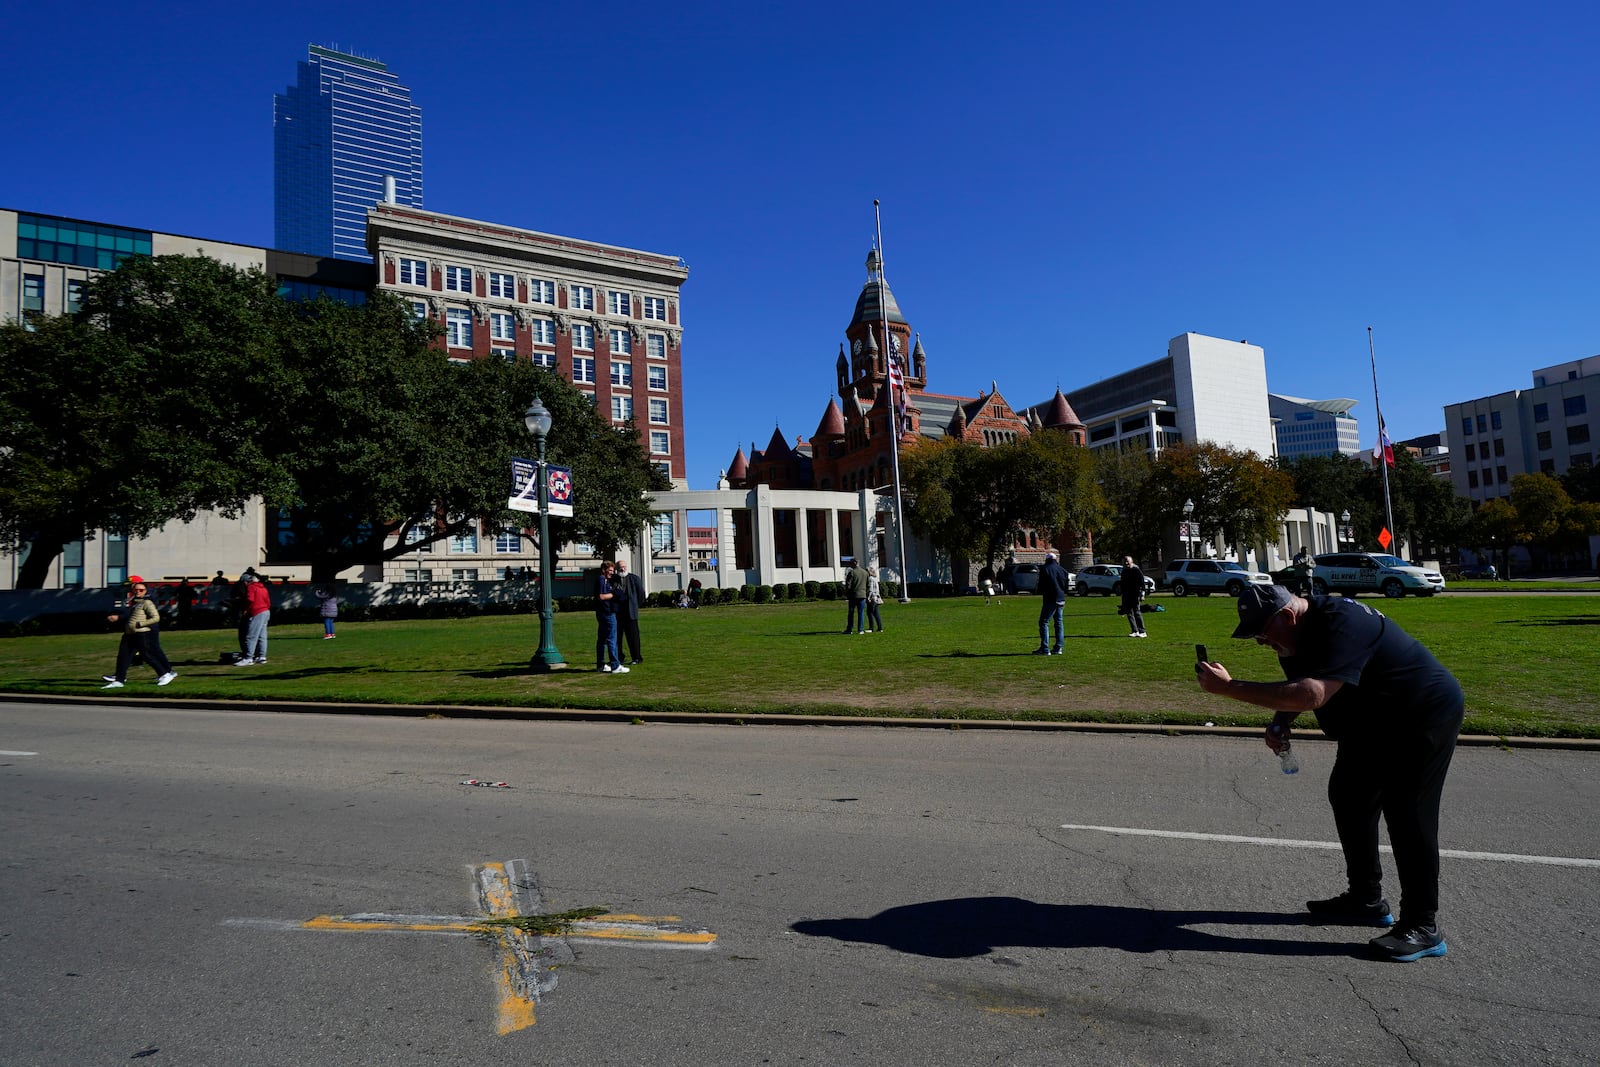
[606,318]
[853,446]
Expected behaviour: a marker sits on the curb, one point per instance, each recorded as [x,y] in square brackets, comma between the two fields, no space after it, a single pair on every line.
[711,718]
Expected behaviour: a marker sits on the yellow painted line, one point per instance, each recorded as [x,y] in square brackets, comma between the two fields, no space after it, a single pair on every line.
[585,931]
[514,1011]
[608,918]
[1030,1012]
[497,891]
[339,922]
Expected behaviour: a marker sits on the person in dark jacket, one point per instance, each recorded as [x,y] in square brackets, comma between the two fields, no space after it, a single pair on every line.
[1395,712]
[606,658]
[629,588]
[141,633]
[327,609]
[1054,581]
[1132,596]
[855,591]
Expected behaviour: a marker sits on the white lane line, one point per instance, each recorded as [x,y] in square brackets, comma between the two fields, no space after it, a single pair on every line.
[1185,835]
[8,752]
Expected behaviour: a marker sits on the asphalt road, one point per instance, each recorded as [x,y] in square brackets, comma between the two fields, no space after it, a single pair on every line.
[809,896]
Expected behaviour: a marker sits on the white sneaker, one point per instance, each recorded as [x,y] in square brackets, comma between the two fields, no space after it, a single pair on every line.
[243,661]
[619,669]
[113,684]
[108,677]
[604,668]
[165,678]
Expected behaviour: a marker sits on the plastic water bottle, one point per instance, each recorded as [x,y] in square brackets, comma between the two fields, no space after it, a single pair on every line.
[1288,760]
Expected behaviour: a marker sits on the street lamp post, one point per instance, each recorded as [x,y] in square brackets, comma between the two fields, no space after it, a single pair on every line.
[548,658]
[1188,510]
[1344,526]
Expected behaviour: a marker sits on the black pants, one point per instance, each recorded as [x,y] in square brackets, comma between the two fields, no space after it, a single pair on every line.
[1135,617]
[1399,774]
[148,645]
[630,634]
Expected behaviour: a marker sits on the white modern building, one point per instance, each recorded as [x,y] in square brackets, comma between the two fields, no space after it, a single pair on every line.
[1304,427]
[1204,389]
[1547,429]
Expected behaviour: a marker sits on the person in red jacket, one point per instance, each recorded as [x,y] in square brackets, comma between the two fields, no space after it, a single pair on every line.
[258,609]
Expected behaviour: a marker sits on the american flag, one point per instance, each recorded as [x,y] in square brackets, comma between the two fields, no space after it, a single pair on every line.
[897,390]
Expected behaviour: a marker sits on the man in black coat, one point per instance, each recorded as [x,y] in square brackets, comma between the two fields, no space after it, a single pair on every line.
[1132,596]
[629,590]
[1054,582]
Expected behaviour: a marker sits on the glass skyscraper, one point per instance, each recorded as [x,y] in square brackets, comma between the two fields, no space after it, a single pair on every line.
[344,127]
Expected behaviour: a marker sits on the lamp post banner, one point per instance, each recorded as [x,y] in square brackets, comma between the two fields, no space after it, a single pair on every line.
[559,479]
[524,486]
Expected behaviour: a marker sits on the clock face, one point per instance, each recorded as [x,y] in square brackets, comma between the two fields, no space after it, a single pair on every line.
[856,348]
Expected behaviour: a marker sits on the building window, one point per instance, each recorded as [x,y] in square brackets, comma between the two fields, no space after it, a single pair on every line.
[1547,466]
[502,326]
[1494,420]
[621,343]
[657,376]
[1500,472]
[621,373]
[508,541]
[543,331]
[419,310]
[664,468]
[1466,426]
[1483,424]
[507,354]
[1488,476]
[618,303]
[1575,405]
[84,244]
[458,328]
[1578,435]
[594,402]
[1472,479]
[655,307]
[660,442]
[464,543]
[543,359]
[655,345]
[583,336]
[541,291]
[583,370]
[502,286]
[621,408]
[581,297]
[1499,446]
[416,574]
[1472,451]
[1543,440]
[33,292]
[458,279]
[116,558]
[74,295]
[658,411]
[413,272]
[1541,413]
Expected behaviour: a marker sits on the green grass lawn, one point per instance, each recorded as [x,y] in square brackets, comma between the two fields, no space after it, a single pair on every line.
[1527,663]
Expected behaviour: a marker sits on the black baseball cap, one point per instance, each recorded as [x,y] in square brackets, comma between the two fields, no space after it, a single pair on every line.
[1257,605]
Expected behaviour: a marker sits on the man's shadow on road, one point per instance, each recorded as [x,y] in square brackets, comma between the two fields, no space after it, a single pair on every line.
[975,926]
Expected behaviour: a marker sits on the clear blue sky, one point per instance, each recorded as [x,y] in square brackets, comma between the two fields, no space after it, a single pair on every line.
[1065,186]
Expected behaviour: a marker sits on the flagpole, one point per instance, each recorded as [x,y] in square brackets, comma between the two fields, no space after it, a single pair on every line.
[894,412]
[1383,452]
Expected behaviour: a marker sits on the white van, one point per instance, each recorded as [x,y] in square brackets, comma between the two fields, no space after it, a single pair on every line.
[1367,572]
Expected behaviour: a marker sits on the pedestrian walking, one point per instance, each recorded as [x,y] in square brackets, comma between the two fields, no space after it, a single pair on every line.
[1395,713]
[141,633]
[327,609]
[257,614]
[607,660]
[1132,579]
[1053,584]
[630,596]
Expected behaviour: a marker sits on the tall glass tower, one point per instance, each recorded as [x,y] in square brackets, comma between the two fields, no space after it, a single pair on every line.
[344,127]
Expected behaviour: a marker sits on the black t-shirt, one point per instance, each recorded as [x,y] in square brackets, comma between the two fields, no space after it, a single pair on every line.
[1390,680]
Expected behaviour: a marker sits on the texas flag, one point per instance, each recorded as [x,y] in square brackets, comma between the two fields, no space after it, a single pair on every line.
[897,389]
[1384,449]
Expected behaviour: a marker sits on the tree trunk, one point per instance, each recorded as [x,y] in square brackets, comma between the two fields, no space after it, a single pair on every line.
[45,546]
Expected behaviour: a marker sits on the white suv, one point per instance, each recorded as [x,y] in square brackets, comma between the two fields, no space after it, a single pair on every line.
[1207,576]
[1370,572]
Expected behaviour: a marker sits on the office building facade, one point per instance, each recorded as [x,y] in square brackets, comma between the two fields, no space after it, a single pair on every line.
[1302,427]
[344,130]
[1549,429]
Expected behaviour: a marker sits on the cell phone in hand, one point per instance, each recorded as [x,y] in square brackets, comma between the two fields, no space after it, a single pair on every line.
[1200,656]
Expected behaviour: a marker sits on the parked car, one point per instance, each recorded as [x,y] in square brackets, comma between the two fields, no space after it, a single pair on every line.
[1021,578]
[1369,572]
[1207,576]
[1480,570]
[1106,579]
